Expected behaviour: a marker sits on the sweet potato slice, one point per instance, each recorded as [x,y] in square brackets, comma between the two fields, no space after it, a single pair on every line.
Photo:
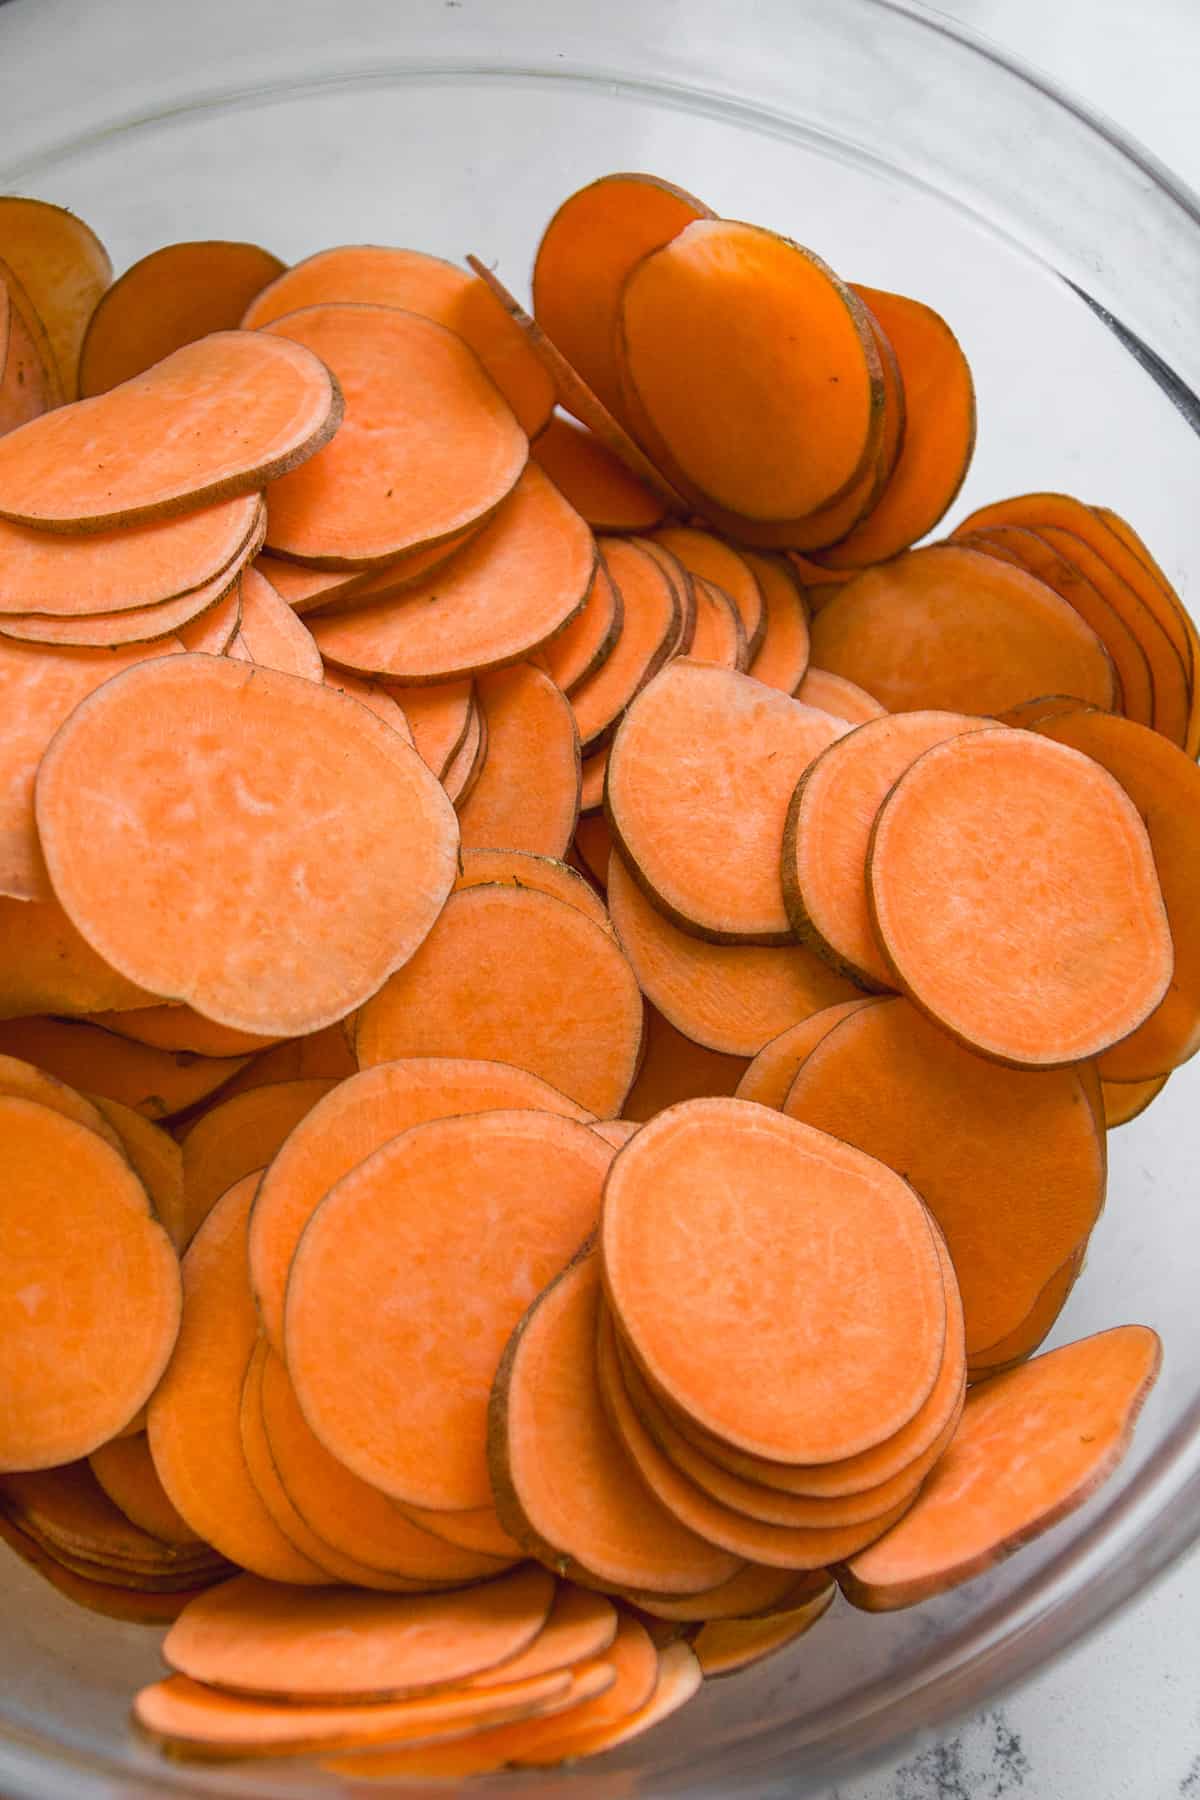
[426,448]
[953,630]
[683,582]
[475,1528]
[664,1200]
[1167,602]
[834,694]
[674,1068]
[156,1160]
[564,1485]
[282,399]
[29,384]
[160,627]
[939,432]
[1037,1324]
[66,1509]
[131,1606]
[1021,975]
[649,630]
[170,298]
[353,1121]
[195,1415]
[828,832]
[237,1137]
[375,699]
[549,990]
[594,846]
[782,656]
[717,636]
[409,279]
[527,796]
[438,718]
[1033,1445]
[576,653]
[178,1028]
[592,777]
[731,998]
[596,483]
[1015,1187]
[703,554]
[125,1470]
[517,583]
[350,1519]
[154,1083]
[325,1054]
[678,1679]
[1164,786]
[769,1078]
[713,402]
[271,636]
[83,1252]
[1127,1100]
[212,632]
[780,1546]
[46,967]
[243,759]
[63,267]
[699,781]
[722,1647]
[469,760]
[1037,554]
[408,1215]
[581,1625]
[754,1592]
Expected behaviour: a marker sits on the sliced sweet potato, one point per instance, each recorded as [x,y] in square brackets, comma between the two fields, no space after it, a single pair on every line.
[66,1509]
[427,446]
[238,1136]
[244,758]
[703,554]
[1032,977]
[699,780]
[769,1078]
[282,399]
[1164,785]
[1032,1447]
[29,384]
[527,797]
[592,776]
[616,1132]
[84,1253]
[437,290]
[375,699]
[674,1068]
[517,583]
[502,1200]
[323,1054]
[596,483]
[564,1486]
[939,432]
[194,1420]
[953,630]
[438,718]
[664,1200]
[1036,1325]
[156,1160]
[169,298]
[468,761]
[160,627]
[178,1028]
[271,636]
[581,1625]
[678,1679]
[576,653]
[717,636]
[1127,1100]
[63,267]
[722,1647]
[1167,601]
[475,1528]
[212,631]
[834,694]
[125,1470]
[131,1606]
[1016,1186]
[649,630]
[155,1083]
[549,990]
[828,832]
[682,581]
[754,1592]
[46,967]
[731,998]
[782,656]
[715,405]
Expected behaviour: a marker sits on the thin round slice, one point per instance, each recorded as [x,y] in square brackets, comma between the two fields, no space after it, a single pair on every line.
[270,635]
[591,636]
[703,554]
[769,1078]
[155,1083]
[782,657]
[520,868]
[596,483]
[46,967]
[63,267]
[125,1470]
[722,1647]
[834,694]
[527,796]
[238,1136]
[651,620]
[156,1160]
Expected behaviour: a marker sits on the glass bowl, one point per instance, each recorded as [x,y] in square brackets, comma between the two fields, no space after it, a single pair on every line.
[912,158]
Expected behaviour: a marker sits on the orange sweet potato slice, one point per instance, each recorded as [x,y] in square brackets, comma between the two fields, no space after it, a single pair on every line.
[703,554]
[596,483]
[587,250]
[699,780]
[834,694]
[683,582]
[549,990]
[324,1054]
[438,718]
[522,868]
[381,276]
[469,761]
[159,627]
[132,1606]
[155,1083]
[828,831]
[238,1136]
[353,1121]
[271,636]
[66,1509]
[1017,1185]
[754,1592]
[194,1420]
[1036,1325]
[592,776]
[949,629]
[63,267]
[178,1028]
[255,755]
[722,1647]
[563,1483]
[782,656]
[155,1159]
[475,1528]
[724,415]
[212,632]
[1021,975]
[46,967]
[426,448]
[581,1625]
[678,1679]
[29,384]
[527,796]
[82,1241]
[1032,1447]
[1164,786]
[674,1068]
[374,698]
[939,432]
[1127,1100]
[125,1470]
[717,636]
[576,653]
[1166,602]
[522,1190]
[743,1382]
[516,584]
[283,400]
[170,298]
[650,627]
[731,998]
[769,1078]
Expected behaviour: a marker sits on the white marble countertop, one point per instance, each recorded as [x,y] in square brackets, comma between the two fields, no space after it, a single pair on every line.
[1119,1717]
